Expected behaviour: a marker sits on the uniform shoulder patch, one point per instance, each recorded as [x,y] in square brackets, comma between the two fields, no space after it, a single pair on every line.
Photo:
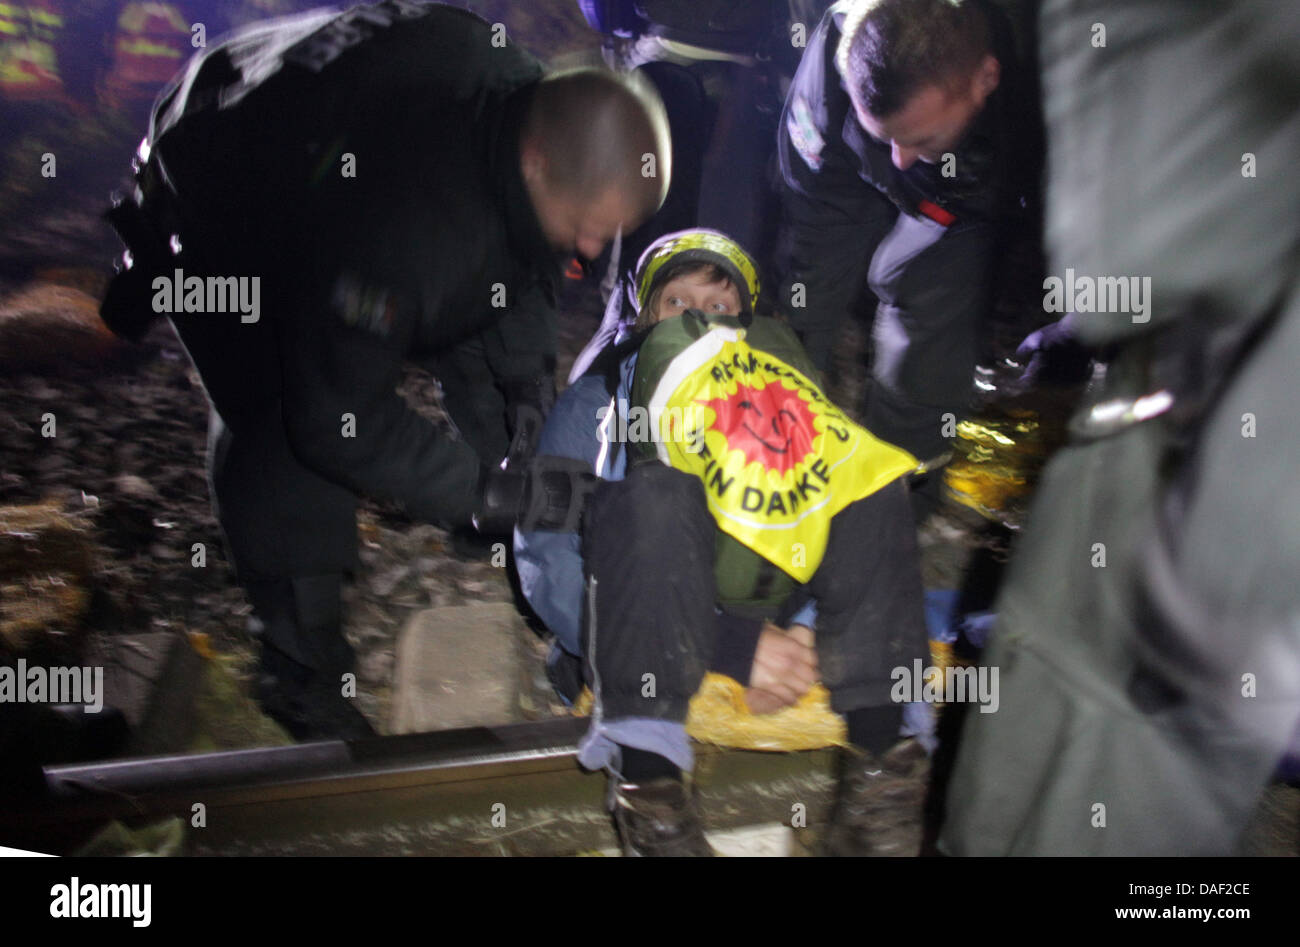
[805,137]
[321,47]
[364,306]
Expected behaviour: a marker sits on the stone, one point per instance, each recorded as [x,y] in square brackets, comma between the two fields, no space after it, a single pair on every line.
[457,667]
[152,679]
[137,488]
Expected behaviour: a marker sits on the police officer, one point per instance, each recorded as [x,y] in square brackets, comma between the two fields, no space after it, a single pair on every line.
[394,183]
[909,149]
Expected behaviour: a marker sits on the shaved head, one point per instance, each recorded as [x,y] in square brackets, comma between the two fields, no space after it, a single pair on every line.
[592,131]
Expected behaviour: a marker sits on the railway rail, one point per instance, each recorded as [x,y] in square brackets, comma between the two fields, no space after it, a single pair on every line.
[506,790]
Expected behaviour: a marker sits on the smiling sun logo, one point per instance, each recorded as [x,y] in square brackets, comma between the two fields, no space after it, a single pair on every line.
[777,460]
[771,425]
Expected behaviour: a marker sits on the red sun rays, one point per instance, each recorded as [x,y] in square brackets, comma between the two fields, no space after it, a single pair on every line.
[771,425]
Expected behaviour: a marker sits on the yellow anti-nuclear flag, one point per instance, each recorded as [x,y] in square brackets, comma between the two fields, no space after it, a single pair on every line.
[777,458]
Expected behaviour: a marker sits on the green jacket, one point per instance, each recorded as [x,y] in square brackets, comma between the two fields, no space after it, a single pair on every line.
[747,583]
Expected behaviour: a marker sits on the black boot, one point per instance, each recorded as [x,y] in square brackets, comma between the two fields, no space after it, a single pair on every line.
[308,704]
[305,658]
[658,817]
[877,802]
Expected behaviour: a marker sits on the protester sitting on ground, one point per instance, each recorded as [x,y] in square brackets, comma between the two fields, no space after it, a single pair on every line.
[724,515]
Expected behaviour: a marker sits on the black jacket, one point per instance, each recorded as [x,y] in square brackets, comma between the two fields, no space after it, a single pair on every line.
[999,161]
[365,164]
[841,191]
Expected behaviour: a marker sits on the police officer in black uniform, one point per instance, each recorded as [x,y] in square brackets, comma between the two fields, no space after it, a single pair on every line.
[402,183]
[910,147]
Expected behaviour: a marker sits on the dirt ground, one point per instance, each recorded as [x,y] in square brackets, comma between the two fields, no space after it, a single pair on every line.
[129,458]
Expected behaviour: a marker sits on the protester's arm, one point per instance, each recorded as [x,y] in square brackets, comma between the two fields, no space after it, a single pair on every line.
[785,668]
[735,646]
[806,616]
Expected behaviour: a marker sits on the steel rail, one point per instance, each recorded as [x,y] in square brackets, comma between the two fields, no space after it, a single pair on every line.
[509,789]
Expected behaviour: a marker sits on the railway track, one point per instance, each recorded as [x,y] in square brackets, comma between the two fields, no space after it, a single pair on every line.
[507,790]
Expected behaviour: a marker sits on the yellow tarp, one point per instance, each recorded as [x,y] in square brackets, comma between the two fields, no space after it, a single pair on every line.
[719,715]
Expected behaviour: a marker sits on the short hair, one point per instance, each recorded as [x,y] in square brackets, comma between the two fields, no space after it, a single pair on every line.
[890,49]
[673,270]
[596,128]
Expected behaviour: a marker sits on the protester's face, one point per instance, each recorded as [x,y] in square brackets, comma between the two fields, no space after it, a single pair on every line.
[576,226]
[933,120]
[694,291]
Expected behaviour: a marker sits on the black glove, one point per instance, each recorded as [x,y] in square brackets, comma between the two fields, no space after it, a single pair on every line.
[502,490]
[528,402]
[1053,356]
[526,430]
[502,494]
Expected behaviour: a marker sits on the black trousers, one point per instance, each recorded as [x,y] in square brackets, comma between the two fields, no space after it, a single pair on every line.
[649,631]
[289,532]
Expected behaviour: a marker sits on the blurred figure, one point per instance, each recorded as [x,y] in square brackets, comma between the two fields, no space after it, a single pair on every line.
[395,183]
[1149,632]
